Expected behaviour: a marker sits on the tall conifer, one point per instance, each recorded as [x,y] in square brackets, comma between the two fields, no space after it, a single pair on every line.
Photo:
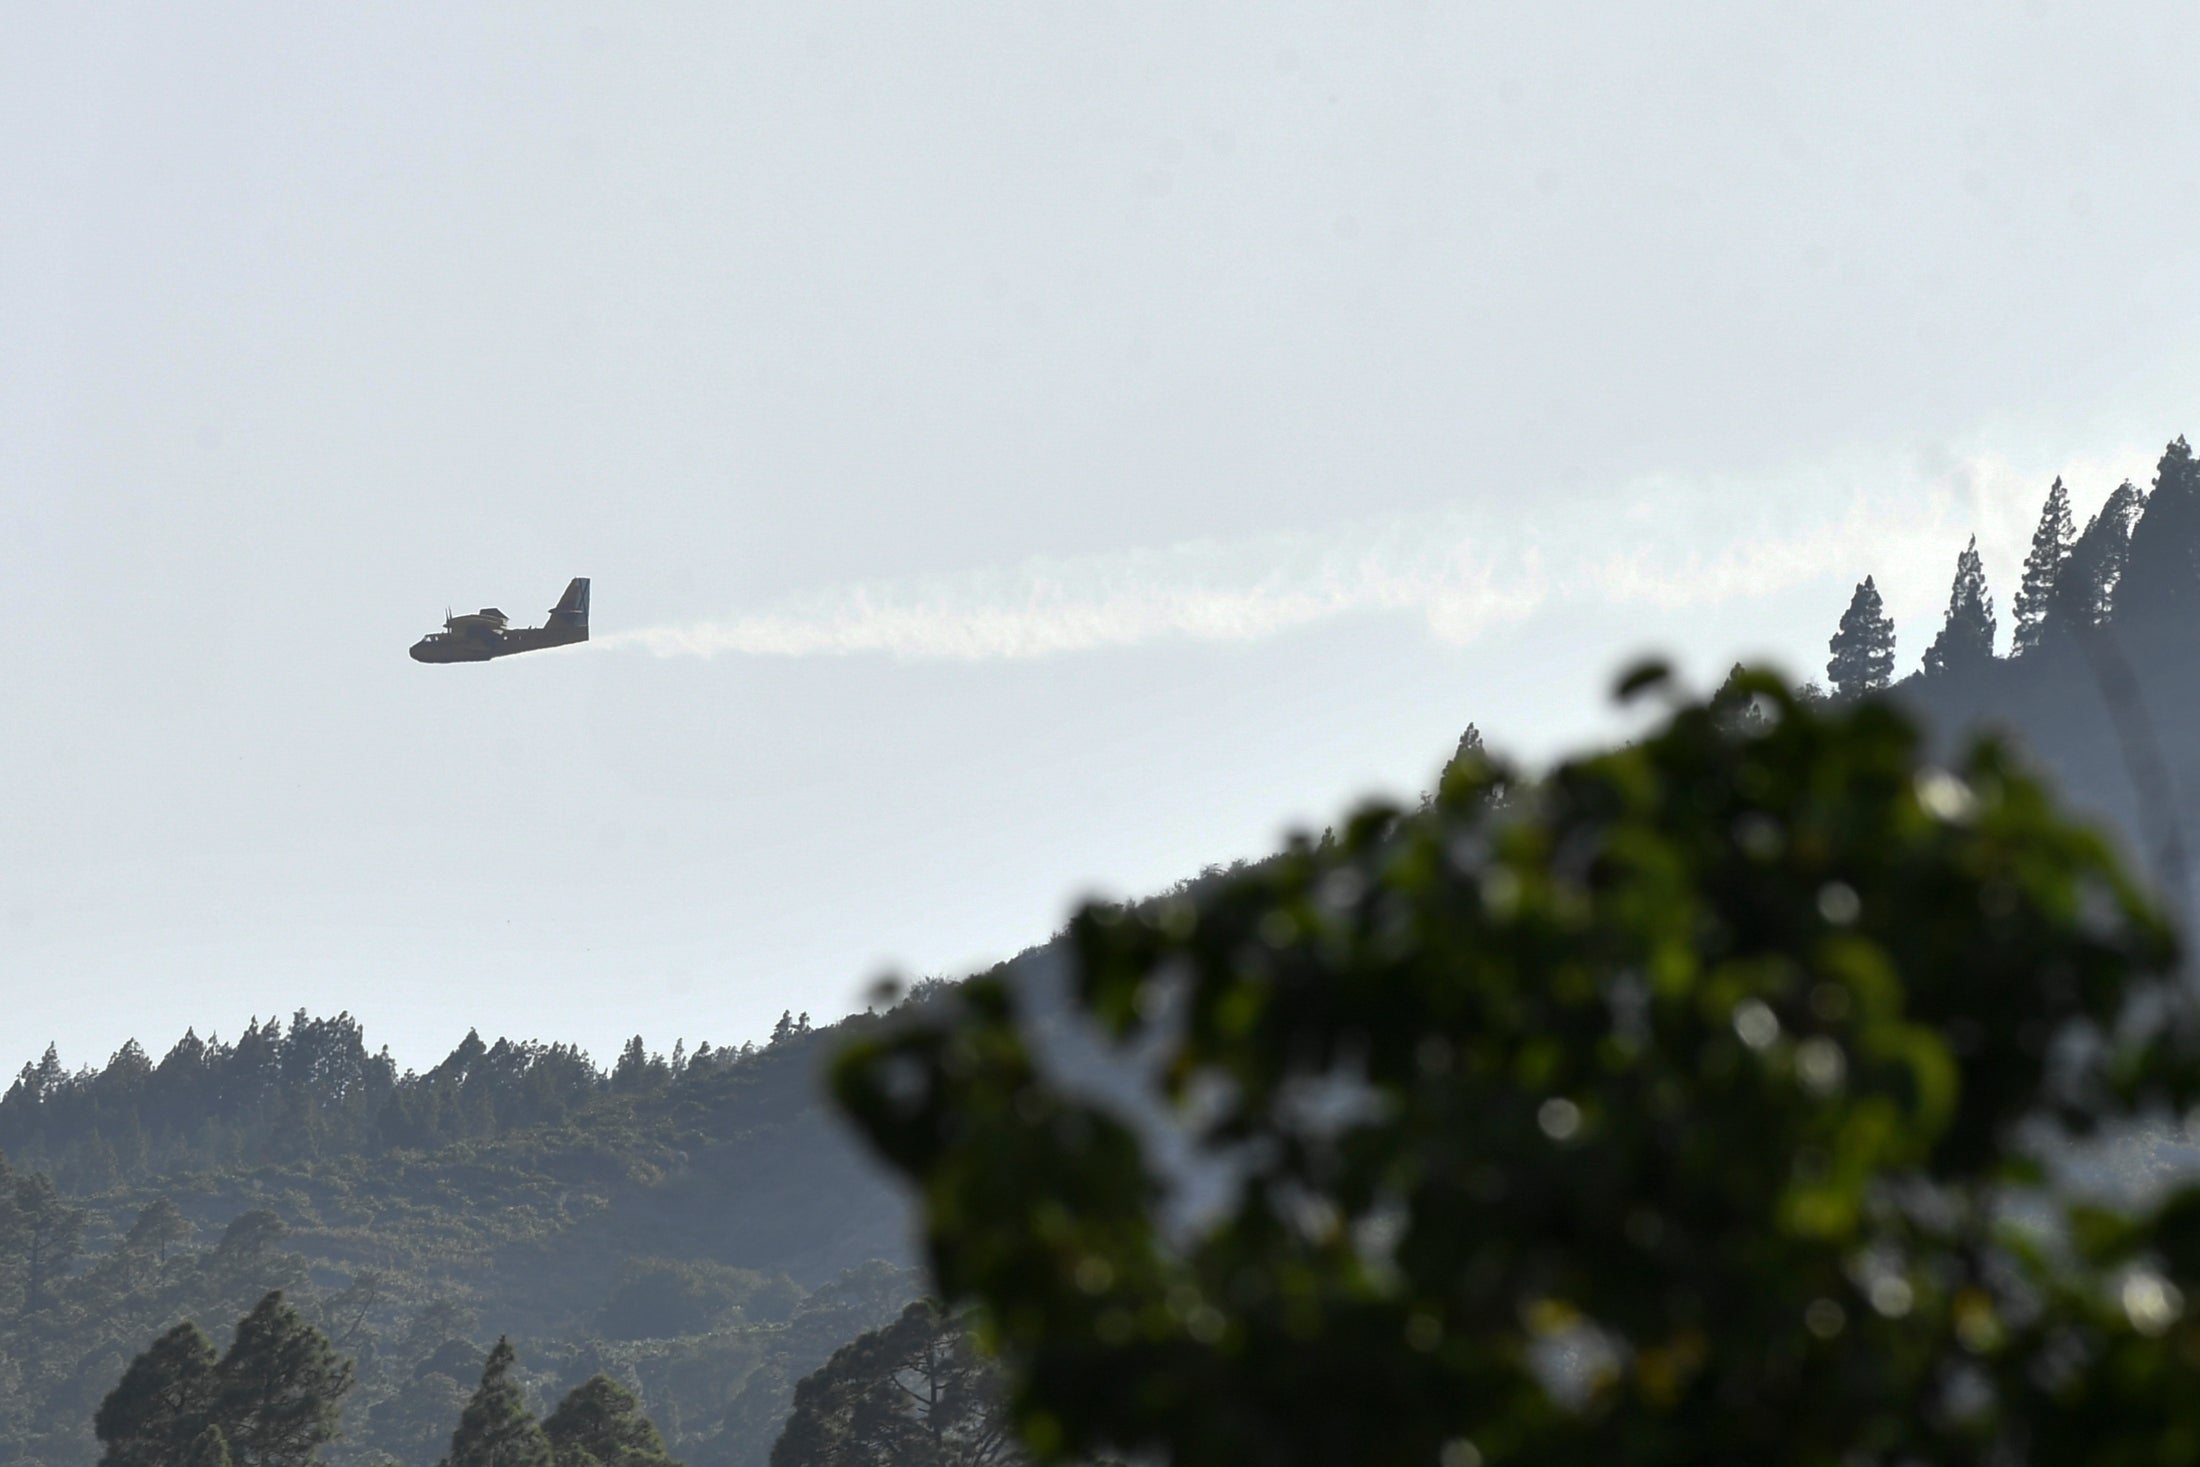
[918,1391]
[1966,639]
[497,1429]
[46,1234]
[1863,648]
[2086,593]
[160,1227]
[279,1392]
[2051,543]
[600,1424]
[2161,580]
[160,1406]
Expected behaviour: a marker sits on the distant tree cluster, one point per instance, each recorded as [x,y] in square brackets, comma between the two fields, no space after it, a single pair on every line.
[598,1424]
[2136,564]
[66,1316]
[599,1229]
[311,1091]
[721,1350]
[276,1399]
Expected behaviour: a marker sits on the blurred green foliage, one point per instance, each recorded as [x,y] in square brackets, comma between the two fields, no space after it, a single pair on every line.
[1688,1105]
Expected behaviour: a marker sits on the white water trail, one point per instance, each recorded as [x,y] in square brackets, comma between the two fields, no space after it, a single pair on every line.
[1661,542]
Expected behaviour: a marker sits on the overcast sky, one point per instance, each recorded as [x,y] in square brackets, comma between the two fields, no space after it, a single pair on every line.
[1020,450]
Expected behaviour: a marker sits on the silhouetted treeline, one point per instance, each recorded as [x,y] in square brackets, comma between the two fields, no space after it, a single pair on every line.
[311,1091]
[2102,677]
[2134,568]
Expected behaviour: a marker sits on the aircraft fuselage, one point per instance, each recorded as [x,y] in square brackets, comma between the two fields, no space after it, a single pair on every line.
[483,635]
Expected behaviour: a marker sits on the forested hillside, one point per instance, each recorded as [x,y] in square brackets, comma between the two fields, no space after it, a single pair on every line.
[694,1225]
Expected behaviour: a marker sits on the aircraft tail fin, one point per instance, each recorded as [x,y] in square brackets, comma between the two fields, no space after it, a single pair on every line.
[570,615]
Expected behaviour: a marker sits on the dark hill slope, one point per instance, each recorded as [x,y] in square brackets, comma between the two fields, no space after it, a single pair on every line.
[2114,719]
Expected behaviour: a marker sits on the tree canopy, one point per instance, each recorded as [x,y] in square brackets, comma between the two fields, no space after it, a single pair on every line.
[1684,1107]
[496,1429]
[279,1391]
[600,1424]
[915,1393]
[210,1449]
[161,1402]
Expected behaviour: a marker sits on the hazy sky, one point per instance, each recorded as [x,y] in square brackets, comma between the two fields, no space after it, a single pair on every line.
[1020,450]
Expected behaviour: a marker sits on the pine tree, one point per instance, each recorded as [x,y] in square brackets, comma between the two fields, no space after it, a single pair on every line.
[250,1237]
[1470,754]
[2051,545]
[160,1227]
[1863,649]
[347,1309]
[600,1424]
[497,1429]
[160,1406]
[279,1392]
[2086,592]
[632,1070]
[47,1235]
[2161,579]
[917,1393]
[45,1077]
[1966,639]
